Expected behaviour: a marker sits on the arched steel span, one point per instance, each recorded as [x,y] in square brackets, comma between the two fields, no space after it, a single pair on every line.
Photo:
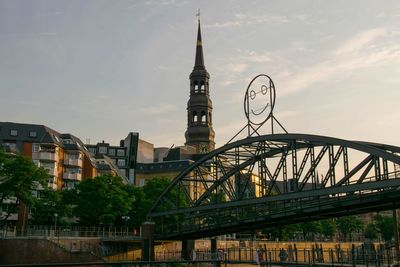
[277,179]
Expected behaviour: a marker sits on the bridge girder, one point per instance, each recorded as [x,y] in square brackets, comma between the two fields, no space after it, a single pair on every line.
[277,179]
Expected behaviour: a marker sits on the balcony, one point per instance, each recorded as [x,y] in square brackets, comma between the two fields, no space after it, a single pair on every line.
[52,186]
[73,162]
[51,171]
[48,155]
[72,176]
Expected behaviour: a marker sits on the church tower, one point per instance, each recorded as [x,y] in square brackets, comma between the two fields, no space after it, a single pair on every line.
[199,133]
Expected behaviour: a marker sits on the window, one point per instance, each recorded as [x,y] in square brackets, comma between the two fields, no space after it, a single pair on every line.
[202,87]
[121,163]
[10,146]
[72,170]
[141,182]
[121,152]
[102,150]
[194,116]
[57,139]
[92,150]
[32,134]
[35,147]
[111,151]
[14,132]
[203,117]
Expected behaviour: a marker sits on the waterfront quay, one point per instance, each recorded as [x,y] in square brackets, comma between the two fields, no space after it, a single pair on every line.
[102,247]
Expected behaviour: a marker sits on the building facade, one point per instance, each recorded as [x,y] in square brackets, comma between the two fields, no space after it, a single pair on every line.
[64,156]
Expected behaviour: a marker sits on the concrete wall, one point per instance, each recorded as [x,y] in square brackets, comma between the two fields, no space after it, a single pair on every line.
[38,251]
[145,152]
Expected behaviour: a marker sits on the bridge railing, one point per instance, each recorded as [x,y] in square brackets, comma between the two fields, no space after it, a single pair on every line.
[73,231]
[355,256]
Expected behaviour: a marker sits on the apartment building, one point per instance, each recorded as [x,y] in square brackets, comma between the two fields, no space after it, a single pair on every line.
[64,156]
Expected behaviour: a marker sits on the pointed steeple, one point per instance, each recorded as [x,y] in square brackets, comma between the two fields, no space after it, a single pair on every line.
[199,61]
[200,133]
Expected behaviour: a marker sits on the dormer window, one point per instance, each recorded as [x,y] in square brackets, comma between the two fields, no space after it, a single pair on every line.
[102,150]
[14,132]
[33,134]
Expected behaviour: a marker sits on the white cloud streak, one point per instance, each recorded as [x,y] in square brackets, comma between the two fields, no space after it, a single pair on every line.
[365,49]
[249,19]
[160,109]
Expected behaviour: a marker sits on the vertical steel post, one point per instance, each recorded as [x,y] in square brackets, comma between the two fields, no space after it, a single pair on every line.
[396,237]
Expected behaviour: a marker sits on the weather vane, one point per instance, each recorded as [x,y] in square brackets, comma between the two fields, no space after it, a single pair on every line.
[259,103]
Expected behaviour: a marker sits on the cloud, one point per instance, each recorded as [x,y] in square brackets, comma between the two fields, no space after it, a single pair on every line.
[249,19]
[254,57]
[223,24]
[160,109]
[159,68]
[368,48]
[286,114]
[165,2]
[360,40]
[226,131]
[237,67]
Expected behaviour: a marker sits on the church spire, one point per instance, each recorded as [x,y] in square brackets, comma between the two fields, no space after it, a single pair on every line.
[199,133]
[199,61]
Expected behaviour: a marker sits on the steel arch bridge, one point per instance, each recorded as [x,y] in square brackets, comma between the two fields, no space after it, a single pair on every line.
[277,179]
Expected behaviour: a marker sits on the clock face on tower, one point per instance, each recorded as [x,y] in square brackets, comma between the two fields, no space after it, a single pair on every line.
[203,148]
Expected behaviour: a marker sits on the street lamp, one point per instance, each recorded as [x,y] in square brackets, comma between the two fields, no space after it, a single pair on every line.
[55,223]
[125,218]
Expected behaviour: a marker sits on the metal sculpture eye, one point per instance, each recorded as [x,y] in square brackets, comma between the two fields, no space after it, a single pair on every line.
[253,94]
[264,89]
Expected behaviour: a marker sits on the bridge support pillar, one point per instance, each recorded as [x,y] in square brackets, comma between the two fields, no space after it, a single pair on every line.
[214,247]
[188,246]
[147,235]
[215,252]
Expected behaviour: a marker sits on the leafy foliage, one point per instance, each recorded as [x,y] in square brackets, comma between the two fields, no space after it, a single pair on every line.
[348,225]
[370,231]
[328,227]
[384,226]
[47,205]
[102,201]
[19,176]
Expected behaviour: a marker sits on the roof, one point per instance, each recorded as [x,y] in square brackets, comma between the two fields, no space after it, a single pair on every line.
[43,134]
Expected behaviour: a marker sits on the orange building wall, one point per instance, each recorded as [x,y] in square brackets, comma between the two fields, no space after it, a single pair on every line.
[27,150]
[88,171]
[60,168]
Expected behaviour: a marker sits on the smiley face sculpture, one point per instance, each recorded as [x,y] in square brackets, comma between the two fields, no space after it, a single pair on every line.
[259,100]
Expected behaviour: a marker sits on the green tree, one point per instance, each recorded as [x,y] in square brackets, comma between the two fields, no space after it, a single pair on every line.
[283,233]
[348,225]
[152,190]
[384,225]
[102,200]
[312,228]
[370,231]
[328,228]
[19,177]
[48,204]
[137,214]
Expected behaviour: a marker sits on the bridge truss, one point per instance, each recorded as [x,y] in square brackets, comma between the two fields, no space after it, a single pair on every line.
[277,179]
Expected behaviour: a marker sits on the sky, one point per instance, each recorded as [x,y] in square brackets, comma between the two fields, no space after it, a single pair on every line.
[101,69]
